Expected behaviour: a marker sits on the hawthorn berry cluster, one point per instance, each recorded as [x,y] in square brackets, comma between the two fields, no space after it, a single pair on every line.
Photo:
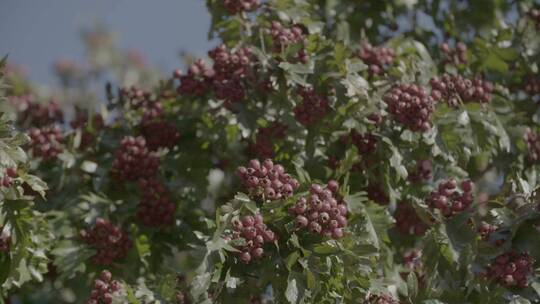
[46,142]
[152,110]
[36,114]
[455,56]
[5,240]
[312,108]
[110,242]
[321,212]
[234,7]
[197,81]
[485,230]
[263,146]
[533,144]
[511,269]
[365,143]
[226,78]
[231,67]
[283,36]
[7,179]
[267,179]
[407,221]
[376,58]
[134,161]
[255,233]
[159,134]
[411,106]
[156,209]
[381,299]
[104,289]
[449,200]
[423,172]
[455,89]
[135,96]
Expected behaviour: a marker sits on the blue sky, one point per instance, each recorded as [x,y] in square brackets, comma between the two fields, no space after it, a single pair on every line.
[35,33]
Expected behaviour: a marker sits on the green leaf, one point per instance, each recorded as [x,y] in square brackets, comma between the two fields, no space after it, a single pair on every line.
[291,259]
[412,284]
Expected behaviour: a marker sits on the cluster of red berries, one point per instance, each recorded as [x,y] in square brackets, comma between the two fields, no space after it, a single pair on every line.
[255,233]
[198,80]
[449,200]
[377,194]
[533,144]
[376,58]
[5,240]
[110,242]
[234,7]
[231,67]
[532,86]
[7,178]
[152,110]
[160,134]
[407,221]
[511,269]
[37,114]
[104,289]
[423,172]
[455,56]
[283,37]
[312,108]
[135,96]
[134,160]
[46,142]
[321,212]
[485,230]
[263,146]
[81,122]
[366,143]
[156,209]
[267,179]
[232,63]
[410,105]
[534,14]
[455,89]
[225,78]
[157,132]
[381,299]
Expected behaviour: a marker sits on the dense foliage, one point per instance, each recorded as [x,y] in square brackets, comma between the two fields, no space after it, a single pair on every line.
[326,152]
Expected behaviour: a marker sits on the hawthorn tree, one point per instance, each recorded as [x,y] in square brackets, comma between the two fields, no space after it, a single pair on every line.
[325,152]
